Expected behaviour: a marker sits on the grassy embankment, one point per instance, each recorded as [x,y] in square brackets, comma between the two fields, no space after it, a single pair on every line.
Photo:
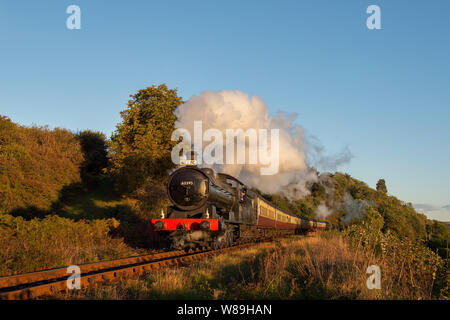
[57,209]
[308,268]
[94,226]
[49,215]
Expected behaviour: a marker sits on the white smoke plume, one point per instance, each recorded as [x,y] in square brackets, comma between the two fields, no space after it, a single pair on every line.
[355,209]
[323,211]
[236,110]
[316,155]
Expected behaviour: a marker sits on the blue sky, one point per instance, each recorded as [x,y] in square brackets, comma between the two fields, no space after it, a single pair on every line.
[383,93]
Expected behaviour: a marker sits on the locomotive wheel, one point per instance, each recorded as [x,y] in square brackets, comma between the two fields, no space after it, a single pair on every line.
[216,244]
[221,241]
[229,239]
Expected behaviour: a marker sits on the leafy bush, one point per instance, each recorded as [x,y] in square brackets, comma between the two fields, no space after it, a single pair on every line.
[152,198]
[141,146]
[417,270]
[52,242]
[95,153]
[35,164]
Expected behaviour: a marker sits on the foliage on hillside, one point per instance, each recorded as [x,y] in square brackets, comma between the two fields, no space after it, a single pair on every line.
[35,164]
[37,244]
[45,172]
[353,199]
[94,147]
[40,168]
[422,270]
[349,201]
[141,146]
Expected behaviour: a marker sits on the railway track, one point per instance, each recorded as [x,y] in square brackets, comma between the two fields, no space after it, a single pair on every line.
[48,282]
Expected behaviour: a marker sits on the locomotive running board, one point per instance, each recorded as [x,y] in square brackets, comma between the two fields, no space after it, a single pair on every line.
[186,224]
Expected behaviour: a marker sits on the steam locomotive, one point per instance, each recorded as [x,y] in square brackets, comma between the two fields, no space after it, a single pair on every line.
[215,210]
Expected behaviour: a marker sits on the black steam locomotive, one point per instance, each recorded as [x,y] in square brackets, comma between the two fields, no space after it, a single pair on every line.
[216,210]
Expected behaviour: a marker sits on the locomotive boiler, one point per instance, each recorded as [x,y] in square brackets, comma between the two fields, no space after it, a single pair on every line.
[211,209]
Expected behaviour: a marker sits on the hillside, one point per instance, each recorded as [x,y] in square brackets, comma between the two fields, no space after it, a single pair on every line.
[94,198]
[56,171]
[56,208]
[35,164]
[344,200]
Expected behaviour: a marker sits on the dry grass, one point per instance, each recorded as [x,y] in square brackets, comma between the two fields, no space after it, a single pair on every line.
[306,268]
[37,244]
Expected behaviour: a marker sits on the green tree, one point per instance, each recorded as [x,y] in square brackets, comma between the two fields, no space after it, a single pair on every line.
[438,235]
[374,219]
[95,151]
[381,186]
[141,146]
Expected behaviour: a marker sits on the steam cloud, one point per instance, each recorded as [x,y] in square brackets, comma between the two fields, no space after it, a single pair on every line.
[425,207]
[326,162]
[355,209]
[236,110]
[322,211]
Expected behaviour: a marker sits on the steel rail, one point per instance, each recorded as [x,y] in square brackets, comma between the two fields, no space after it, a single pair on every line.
[48,282]
[44,275]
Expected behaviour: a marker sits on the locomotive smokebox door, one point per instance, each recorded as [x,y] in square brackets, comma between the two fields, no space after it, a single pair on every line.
[188,188]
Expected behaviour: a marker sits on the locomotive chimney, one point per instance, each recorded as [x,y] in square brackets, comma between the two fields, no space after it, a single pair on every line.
[189,158]
[192,155]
